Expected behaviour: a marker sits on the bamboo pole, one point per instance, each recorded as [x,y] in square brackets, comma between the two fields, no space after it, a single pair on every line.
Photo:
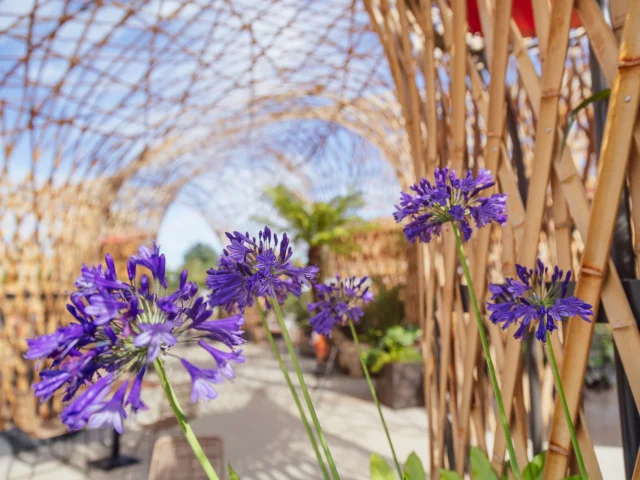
[495,125]
[562,225]
[458,117]
[618,10]
[485,12]
[636,468]
[531,82]
[605,46]
[552,72]
[625,332]
[613,160]
[449,247]
[604,42]
[634,189]
[541,20]
[429,73]
[387,37]
[516,218]
[414,105]
[459,84]
[427,352]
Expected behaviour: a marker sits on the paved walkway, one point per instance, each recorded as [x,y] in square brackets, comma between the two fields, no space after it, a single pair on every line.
[263,437]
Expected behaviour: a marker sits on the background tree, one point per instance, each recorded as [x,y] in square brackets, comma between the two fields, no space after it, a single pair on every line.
[198,259]
[323,226]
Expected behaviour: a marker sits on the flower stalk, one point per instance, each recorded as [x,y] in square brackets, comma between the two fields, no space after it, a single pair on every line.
[183,422]
[485,346]
[305,390]
[565,408]
[294,394]
[375,396]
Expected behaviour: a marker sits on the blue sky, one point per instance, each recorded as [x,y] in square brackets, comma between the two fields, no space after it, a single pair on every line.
[181,228]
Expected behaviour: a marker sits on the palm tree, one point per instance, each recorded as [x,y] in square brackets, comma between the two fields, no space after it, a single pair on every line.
[323,226]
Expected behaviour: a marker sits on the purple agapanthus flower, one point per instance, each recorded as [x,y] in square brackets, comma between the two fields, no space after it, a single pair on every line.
[119,330]
[530,299]
[251,268]
[338,302]
[450,199]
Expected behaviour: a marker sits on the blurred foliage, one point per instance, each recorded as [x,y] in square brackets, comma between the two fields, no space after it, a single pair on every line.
[600,369]
[383,312]
[319,224]
[197,260]
[398,345]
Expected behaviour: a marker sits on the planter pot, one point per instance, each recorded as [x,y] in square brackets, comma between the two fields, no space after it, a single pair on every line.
[400,385]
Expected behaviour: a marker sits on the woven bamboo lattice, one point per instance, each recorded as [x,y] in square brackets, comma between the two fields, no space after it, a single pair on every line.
[382,253]
[111,111]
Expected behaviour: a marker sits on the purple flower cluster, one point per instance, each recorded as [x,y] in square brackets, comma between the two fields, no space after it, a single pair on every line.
[120,329]
[338,301]
[530,299]
[251,268]
[450,199]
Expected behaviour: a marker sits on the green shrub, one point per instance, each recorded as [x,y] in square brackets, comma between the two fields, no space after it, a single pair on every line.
[385,311]
[398,345]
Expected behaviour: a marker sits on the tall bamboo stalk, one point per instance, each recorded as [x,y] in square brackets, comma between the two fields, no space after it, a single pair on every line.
[429,74]
[552,72]
[613,159]
[495,127]
[458,132]
[625,332]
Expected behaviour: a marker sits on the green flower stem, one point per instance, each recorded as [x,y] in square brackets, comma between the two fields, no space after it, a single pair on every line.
[294,394]
[183,422]
[487,355]
[565,408]
[374,395]
[305,390]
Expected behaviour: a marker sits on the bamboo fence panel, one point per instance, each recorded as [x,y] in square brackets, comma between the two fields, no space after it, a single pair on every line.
[616,147]
[606,50]
[532,82]
[569,166]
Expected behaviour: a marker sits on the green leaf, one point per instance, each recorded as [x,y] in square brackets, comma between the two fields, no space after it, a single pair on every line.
[480,465]
[601,95]
[413,469]
[533,471]
[380,470]
[449,475]
[232,475]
